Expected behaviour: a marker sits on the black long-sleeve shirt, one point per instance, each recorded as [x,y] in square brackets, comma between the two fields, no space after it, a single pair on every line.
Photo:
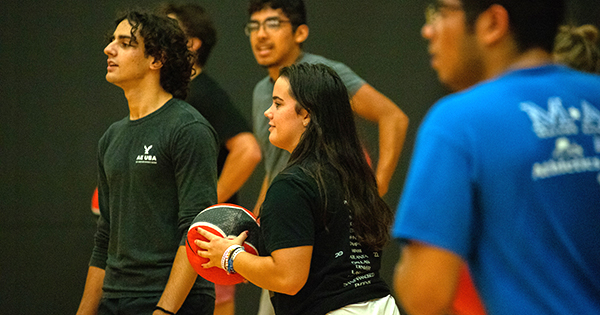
[155,174]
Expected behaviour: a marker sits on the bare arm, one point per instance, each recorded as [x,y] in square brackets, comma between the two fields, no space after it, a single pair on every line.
[261,195]
[244,155]
[92,292]
[392,123]
[180,283]
[273,272]
[268,272]
[426,278]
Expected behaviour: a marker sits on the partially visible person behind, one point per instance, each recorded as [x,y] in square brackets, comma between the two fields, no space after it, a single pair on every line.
[505,174]
[277,30]
[577,47]
[239,152]
[323,222]
[156,172]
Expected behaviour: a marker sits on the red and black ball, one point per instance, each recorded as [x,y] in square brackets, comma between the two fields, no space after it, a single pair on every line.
[223,220]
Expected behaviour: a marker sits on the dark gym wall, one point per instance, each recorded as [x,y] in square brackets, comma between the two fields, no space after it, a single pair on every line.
[56,105]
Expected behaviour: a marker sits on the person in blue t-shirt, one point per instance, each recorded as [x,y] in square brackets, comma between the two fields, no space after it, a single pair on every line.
[506,171]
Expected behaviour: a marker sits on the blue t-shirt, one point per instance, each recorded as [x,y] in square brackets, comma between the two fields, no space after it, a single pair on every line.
[506,174]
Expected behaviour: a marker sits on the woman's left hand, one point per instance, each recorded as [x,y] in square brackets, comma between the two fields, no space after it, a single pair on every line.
[216,246]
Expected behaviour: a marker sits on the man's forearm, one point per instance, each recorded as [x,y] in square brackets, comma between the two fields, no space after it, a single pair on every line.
[92,292]
[180,283]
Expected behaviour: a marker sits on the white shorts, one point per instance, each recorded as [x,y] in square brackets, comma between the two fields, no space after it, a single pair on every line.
[385,305]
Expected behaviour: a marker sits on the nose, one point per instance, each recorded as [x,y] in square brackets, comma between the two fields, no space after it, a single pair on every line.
[269,112]
[262,30]
[427,30]
[109,49]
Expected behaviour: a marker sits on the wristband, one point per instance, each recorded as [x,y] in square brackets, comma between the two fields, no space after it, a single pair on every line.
[163,310]
[232,257]
[225,257]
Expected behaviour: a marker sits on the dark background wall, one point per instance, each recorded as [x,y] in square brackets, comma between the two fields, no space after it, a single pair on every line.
[55,105]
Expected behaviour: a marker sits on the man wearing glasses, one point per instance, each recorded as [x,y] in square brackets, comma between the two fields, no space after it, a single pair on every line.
[516,158]
[277,30]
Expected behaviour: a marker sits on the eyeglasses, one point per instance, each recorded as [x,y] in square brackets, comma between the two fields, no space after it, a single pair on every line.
[271,24]
[436,9]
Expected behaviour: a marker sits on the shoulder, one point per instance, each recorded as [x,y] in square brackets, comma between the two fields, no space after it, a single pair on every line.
[118,124]
[482,97]
[352,81]
[183,110]
[114,128]
[312,58]
[294,173]
[291,194]
[263,84]
[335,65]
[293,178]
[180,114]
[204,83]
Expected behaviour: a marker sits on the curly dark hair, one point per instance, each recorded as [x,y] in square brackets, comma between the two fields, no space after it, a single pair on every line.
[165,41]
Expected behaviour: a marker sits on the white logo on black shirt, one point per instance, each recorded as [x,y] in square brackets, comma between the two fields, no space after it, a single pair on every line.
[146,158]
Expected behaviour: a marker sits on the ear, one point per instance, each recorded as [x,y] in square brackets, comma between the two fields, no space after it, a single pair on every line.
[156,64]
[493,25]
[194,43]
[301,33]
[306,118]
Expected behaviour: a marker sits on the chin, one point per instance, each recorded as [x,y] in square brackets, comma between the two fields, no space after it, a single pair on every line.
[264,62]
[109,78]
[275,143]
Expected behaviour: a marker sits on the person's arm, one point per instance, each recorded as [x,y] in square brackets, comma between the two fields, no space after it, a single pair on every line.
[196,180]
[392,123]
[92,292]
[180,283]
[244,155]
[268,272]
[426,278]
[261,196]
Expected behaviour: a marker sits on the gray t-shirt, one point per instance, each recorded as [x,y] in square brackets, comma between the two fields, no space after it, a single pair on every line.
[276,159]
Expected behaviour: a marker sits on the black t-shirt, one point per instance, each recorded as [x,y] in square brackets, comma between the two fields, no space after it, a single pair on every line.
[342,271]
[207,96]
[156,174]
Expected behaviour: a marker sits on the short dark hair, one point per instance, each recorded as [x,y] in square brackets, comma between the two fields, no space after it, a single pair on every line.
[293,9]
[534,23]
[195,22]
[165,41]
[331,138]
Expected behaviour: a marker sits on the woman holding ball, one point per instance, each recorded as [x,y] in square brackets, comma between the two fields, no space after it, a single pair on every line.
[323,224]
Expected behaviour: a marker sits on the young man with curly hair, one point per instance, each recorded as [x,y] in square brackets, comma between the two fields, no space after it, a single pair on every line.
[156,171]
